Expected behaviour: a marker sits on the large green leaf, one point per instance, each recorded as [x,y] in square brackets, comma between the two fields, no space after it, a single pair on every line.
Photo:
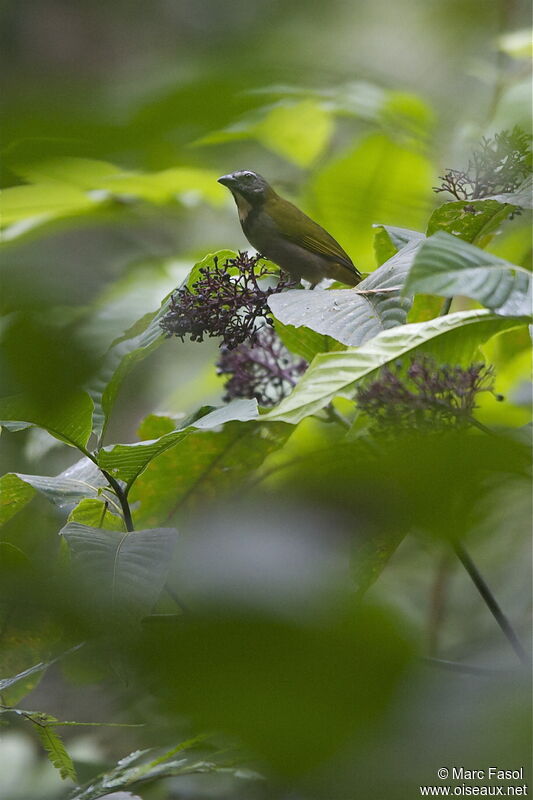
[446,265]
[451,339]
[45,201]
[69,421]
[127,461]
[377,180]
[123,573]
[201,467]
[474,221]
[352,316]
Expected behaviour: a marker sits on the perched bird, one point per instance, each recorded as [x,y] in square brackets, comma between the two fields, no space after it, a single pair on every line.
[285,235]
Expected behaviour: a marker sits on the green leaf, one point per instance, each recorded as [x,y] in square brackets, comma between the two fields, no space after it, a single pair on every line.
[70,175]
[46,201]
[351,316]
[451,339]
[14,495]
[55,749]
[95,513]
[136,769]
[83,479]
[69,421]
[377,180]
[473,221]
[201,468]
[447,266]
[297,131]
[127,461]
[305,342]
[123,573]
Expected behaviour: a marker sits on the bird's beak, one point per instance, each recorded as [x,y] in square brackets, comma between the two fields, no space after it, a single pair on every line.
[227,180]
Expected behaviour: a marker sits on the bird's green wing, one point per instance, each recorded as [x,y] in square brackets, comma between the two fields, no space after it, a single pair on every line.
[297,227]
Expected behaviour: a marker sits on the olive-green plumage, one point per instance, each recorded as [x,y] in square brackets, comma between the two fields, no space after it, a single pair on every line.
[285,235]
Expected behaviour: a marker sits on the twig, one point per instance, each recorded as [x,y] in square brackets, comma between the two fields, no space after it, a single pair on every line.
[466,669]
[491,602]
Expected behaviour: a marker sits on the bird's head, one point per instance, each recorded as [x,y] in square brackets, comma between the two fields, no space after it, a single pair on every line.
[249,185]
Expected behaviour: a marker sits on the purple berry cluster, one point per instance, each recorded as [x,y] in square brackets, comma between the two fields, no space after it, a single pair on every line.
[264,369]
[226,301]
[424,394]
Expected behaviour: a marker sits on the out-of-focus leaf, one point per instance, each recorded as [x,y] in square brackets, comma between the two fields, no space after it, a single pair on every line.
[189,185]
[122,573]
[127,461]
[446,265]
[14,495]
[320,684]
[46,201]
[6,683]
[349,315]
[518,44]
[473,221]
[298,131]
[378,180]
[522,197]
[201,467]
[69,421]
[451,339]
[136,344]
[55,747]
[96,514]
[135,769]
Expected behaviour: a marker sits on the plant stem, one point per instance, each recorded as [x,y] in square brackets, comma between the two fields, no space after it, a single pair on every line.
[491,602]
[445,308]
[122,498]
[335,416]
[122,494]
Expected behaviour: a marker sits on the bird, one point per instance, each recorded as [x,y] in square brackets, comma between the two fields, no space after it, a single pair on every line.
[279,231]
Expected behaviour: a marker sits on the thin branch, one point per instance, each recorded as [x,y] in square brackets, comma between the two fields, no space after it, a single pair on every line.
[491,602]
[466,669]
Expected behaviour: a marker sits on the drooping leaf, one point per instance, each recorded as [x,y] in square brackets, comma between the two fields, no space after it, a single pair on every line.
[447,266]
[349,315]
[82,480]
[69,421]
[123,573]
[127,461]
[14,495]
[55,749]
[203,466]
[451,339]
